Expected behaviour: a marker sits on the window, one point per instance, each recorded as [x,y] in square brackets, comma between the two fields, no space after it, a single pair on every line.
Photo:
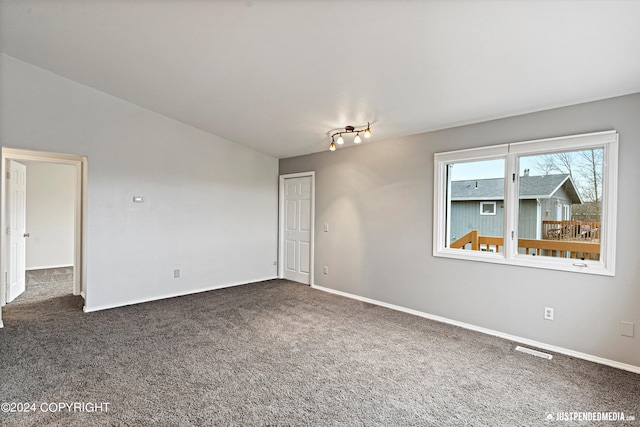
[487,208]
[546,203]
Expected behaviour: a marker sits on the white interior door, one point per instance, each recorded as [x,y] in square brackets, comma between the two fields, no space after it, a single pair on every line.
[16,220]
[297,229]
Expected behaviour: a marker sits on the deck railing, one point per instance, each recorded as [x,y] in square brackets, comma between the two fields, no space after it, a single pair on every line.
[571,230]
[558,248]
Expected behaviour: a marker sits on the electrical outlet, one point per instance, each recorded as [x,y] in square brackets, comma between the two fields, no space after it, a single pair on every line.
[326,227]
[548,313]
[176,273]
[325,269]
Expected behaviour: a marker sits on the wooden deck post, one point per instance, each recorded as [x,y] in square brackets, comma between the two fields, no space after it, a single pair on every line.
[475,240]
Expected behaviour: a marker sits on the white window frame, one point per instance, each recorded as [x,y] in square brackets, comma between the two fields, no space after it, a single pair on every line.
[511,153]
[482,212]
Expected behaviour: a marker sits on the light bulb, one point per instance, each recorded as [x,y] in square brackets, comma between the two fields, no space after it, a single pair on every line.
[340,140]
[357,139]
[332,147]
[367,133]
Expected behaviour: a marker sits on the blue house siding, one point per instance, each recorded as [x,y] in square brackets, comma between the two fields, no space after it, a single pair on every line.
[528,221]
[465,216]
[550,210]
[541,198]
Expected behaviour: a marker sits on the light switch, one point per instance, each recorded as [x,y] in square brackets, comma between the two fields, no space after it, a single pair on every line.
[326,227]
[138,199]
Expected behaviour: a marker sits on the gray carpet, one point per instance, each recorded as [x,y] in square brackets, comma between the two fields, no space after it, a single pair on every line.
[280,353]
[45,284]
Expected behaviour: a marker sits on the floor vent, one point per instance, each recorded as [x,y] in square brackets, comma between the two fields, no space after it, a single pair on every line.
[534,352]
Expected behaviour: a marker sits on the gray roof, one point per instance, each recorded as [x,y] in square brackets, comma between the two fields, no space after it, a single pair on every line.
[531,187]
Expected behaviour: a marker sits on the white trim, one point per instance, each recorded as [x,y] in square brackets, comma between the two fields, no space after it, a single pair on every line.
[171,295]
[81,240]
[475,154]
[511,213]
[47,267]
[281,212]
[565,143]
[560,186]
[609,204]
[525,341]
[538,219]
[534,352]
[80,221]
[495,208]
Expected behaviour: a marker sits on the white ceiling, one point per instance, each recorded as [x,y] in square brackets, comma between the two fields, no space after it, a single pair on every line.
[279,75]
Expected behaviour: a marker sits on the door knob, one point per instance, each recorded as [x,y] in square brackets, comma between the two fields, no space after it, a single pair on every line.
[26,235]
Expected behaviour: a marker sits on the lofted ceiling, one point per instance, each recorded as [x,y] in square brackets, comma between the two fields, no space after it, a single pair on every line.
[278,76]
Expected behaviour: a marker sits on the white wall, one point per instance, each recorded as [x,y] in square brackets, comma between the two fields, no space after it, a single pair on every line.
[210,204]
[378,200]
[50,215]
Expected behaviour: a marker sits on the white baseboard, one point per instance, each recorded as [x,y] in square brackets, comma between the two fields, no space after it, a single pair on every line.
[46,267]
[532,343]
[171,295]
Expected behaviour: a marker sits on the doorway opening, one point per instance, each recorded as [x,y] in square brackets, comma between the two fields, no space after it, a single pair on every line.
[296,219]
[54,264]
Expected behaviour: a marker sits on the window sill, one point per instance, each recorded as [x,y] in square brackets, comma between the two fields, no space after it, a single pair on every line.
[547,263]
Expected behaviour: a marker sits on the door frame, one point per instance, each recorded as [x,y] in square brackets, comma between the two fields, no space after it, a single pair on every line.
[16,229]
[80,164]
[281,214]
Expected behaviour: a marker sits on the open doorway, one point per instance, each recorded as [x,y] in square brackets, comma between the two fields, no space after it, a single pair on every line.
[43,216]
[50,206]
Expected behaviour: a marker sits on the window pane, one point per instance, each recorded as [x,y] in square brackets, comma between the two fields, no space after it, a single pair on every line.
[559,212]
[475,218]
[487,208]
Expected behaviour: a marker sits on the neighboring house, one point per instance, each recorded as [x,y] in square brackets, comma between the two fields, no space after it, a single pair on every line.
[479,204]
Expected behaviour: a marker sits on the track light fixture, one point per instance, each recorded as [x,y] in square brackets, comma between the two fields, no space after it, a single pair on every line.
[366,131]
